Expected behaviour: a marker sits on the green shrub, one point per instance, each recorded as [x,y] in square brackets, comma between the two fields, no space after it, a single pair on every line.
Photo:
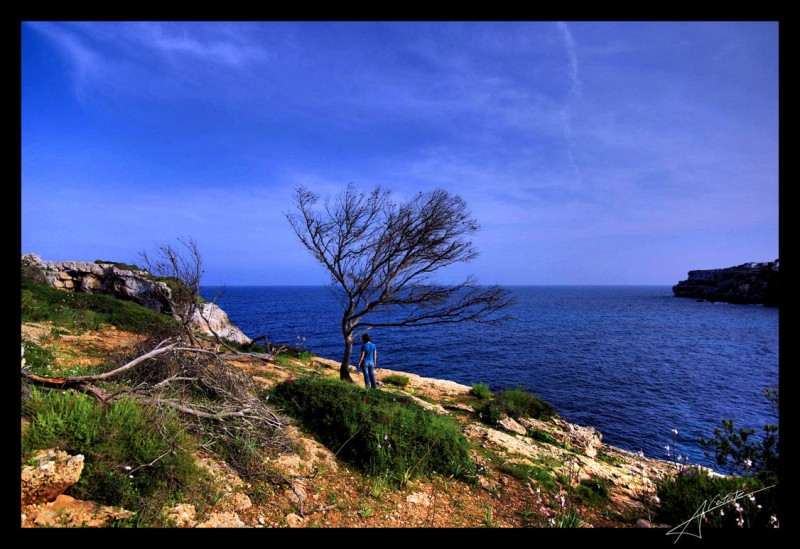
[133,456]
[480,390]
[518,402]
[692,492]
[381,433]
[84,311]
[515,403]
[489,411]
[738,453]
[397,379]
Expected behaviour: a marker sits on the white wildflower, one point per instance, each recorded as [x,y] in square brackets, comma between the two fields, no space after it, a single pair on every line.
[748,463]
[675,432]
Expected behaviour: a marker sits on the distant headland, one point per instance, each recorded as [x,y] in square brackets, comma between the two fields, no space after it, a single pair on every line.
[749,283]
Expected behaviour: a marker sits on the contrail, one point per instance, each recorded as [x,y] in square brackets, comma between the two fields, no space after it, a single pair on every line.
[569,44]
[574,94]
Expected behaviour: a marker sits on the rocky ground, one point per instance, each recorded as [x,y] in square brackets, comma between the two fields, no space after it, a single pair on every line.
[328,493]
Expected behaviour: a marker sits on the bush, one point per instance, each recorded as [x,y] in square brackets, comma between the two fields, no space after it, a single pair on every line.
[383,434]
[490,411]
[687,494]
[397,379]
[134,456]
[480,390]
[84,311]
[516,403]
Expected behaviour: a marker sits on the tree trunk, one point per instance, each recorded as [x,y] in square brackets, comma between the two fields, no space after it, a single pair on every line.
[344,369]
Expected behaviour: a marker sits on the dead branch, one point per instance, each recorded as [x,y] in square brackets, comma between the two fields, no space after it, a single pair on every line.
[79,380]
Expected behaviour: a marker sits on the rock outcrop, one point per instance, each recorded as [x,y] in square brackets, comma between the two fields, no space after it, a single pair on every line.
[52,472]
[127,283]
[45,505]
[750,283]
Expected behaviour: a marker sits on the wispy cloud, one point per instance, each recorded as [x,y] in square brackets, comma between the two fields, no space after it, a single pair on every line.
[573,96]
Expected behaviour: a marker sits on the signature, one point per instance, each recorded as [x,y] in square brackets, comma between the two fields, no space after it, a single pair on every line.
[706,507]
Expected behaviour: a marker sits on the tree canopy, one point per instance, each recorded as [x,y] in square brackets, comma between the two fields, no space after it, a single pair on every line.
[382,255]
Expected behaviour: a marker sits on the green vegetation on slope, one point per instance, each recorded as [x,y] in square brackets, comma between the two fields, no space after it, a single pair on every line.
[383,434]
[85,311]
[135,456]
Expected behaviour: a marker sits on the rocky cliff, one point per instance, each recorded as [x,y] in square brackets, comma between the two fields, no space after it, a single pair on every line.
[125,282]
[755,283]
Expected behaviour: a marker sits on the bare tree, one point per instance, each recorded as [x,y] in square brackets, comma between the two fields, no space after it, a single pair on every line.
[381,256]
[183,270]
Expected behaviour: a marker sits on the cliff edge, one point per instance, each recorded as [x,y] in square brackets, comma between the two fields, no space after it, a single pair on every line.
[749,283]
[130,283]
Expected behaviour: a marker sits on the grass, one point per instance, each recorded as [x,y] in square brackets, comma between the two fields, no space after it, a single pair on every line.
[381,433]
[542,436]
[522,471]
[397,379]
[288,358]
[38,359]
[592,491]
[481,391]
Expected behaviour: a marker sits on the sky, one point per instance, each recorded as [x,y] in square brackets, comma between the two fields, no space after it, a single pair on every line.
[589,152]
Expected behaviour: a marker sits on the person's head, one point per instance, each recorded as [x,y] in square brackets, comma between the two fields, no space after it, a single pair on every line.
[365,338]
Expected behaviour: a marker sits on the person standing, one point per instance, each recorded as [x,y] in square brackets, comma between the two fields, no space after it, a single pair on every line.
[368,361]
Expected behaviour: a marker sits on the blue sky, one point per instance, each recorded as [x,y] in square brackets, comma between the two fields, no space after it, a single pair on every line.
[589,152]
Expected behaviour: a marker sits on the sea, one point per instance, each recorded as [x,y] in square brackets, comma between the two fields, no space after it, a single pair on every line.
[634,362]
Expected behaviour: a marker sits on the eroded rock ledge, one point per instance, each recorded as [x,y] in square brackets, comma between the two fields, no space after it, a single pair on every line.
[135,285]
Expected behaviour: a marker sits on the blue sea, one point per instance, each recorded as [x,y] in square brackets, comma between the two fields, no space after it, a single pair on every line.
[634,362]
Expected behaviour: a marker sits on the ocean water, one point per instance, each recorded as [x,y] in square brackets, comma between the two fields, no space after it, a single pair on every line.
[634,362]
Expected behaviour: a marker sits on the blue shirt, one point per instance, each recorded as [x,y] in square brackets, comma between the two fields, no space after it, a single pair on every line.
[368,349]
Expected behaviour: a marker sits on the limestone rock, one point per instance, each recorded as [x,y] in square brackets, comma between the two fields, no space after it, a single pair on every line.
[219,322]
[222,520]
[419,498]
[182,515]
[509,424]
[587,440]
[54,472]
[135,285]
[294,521]
[69,512]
